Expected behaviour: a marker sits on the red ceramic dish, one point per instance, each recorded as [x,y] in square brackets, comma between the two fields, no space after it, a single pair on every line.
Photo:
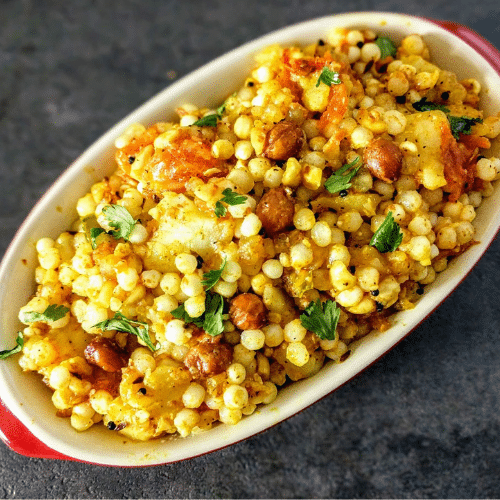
[481,60]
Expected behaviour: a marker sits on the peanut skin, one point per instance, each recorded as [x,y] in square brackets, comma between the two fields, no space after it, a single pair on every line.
[275,210]
[105,354]
[247,311]
[208,358]
[283,141]
[384,159]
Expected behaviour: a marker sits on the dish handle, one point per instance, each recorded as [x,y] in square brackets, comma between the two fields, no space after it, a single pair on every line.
[19,439]
[474,39]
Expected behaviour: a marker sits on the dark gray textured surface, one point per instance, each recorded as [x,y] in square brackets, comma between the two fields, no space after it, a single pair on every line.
[422,422]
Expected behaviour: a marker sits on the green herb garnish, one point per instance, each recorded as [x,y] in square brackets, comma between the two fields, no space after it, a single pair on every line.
[425,105]
[212,323]
[221,109]
[321,319]
[211,320]
[9,352]
[229,197]
[462,125]
[53,312]
[386,46]
[339,180]
[211,120]
[180,313]
[328,77]
[122,324]
[94,233]
[207,121]
[119,218]
[458,124]
[211,278]
[388,236]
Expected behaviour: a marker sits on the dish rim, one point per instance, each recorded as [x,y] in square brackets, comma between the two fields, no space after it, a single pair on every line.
[19,414]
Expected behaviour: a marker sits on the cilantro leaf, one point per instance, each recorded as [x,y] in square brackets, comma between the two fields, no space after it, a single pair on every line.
[425,105]
[321,319]
[211,320]
[229,197]
[53,312]
[211,120]
[119,218]
[207,121]
[388,236]
[211,278]
[386,46]
[328,77]
[212,324]
[122,324]
[220,110]
[458,124]
[339,181]
[180,313]
[19,345]
[94,233]
[220,210]
[462,125]
[232,198]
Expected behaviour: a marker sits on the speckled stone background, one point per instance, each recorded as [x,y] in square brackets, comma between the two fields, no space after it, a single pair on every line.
[422,422]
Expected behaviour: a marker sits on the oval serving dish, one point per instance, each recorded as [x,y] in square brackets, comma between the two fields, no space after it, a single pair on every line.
[26,402]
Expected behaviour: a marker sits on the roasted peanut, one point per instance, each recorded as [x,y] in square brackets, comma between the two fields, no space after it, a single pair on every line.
[247,311]
[275,210]
[107,381]
[105,354]
[284,140]
[384,159]
[208,358]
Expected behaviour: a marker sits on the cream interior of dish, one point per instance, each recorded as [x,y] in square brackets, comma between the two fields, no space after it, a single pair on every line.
[235,227]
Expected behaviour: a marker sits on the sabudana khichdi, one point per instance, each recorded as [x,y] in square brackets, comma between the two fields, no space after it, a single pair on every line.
[241,248]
